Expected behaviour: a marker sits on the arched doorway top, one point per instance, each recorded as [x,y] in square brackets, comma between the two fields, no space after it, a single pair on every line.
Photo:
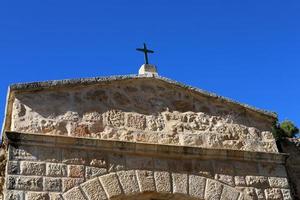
[144,184]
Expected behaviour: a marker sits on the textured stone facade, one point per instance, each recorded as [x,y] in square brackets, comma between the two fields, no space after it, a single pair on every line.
[137,137]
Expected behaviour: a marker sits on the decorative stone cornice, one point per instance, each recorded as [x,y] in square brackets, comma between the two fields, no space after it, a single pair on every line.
[158,150]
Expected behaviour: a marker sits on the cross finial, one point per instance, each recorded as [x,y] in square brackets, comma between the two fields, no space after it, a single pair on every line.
[146,51]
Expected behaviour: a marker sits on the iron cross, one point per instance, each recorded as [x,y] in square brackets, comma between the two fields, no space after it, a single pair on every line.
[146,51]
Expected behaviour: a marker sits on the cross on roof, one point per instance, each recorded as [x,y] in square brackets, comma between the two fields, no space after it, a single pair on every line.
[146,51]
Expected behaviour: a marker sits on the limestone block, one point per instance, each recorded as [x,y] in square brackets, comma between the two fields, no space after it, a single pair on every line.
[68,183]
[273,193]
[128,182]
[180,183]
[197,186]
[76,171]
[73,194]
[136,121]
[25,183]
[111,185]
[257,181]
[55,196]
[278,182]
[248,193]
[37,196]
[14,195]
[56,169]
[286,194]
[13,167]
[93,190]
[133,162]
[229,193]
[91,172]
[33,168]
[260,194]
[228,179]
[52,184]
[213,190]
[163,181]
[240,181]
[146,180]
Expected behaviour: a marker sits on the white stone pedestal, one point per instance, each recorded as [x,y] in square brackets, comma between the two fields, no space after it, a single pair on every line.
[147,69]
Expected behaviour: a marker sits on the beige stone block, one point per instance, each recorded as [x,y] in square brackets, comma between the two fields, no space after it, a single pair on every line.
[180,183]
[13,167]
[14,195]
[73,194]
[163,181]
[68,183]
[286,194]
[273,194]
[260,194]
[213,190]
[52,184]
[30,183]
[197,186]
[257,181]
[240,181]
[55,196]
[146,180]
[278,182]
[229,193]
[37,196]
[76,171]
[32,168]
[93,190]
[92,172]
[111,185]
[128,182]
[56,169]
[228,179]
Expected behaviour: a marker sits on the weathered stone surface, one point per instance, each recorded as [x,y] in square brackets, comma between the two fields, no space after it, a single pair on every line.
[76,171]
[37,196]
[116,162]
[286,194]
[146,180]
[14,195]
[68,183]
[33,168]
[13,167]
[257,181]
[91,172]
[152,110]
[229,193]
[228,179]
[213,190]
[163,181]
[25,183]
[278,182]
[240,181]
[197,186]
[73,194]
[273,193]
[111,185]
[94,190]
[180,183]
[52,184]
[128,182]
[133,162]
[56,169]
[260,194]
[55,196]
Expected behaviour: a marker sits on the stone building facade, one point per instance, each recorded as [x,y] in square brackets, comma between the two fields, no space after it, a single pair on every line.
[137,137]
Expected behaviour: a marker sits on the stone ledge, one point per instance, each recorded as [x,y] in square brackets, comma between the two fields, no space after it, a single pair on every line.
[159,150]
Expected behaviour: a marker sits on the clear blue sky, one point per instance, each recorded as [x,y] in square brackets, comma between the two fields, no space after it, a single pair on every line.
[245,50]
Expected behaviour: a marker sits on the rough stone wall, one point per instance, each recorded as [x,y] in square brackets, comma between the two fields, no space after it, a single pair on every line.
[145,110]
[3,161]
[292,147]
[38,172]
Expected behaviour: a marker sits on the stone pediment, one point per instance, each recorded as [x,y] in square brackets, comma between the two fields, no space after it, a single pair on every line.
[138,109]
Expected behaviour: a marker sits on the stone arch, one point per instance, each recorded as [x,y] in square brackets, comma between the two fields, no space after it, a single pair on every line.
[145,184]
